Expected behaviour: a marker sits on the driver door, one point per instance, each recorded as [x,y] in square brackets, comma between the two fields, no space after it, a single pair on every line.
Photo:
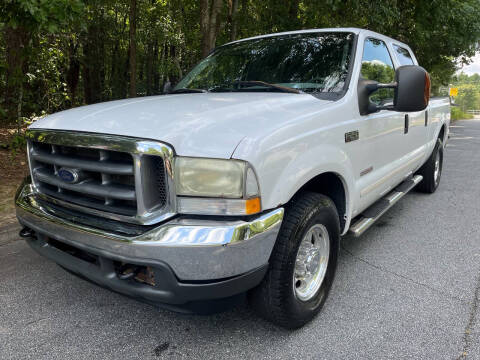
[383,131]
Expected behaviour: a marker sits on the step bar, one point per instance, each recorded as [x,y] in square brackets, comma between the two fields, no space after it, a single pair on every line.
[375,212]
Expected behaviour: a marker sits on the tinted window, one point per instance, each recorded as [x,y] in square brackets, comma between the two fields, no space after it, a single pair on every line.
[377,65]
[403,55]
[313,62]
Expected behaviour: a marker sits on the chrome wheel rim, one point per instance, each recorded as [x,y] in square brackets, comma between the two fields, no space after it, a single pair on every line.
[311,262]
[436,173]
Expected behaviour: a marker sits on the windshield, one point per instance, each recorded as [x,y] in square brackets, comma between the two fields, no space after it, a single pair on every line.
[310,62]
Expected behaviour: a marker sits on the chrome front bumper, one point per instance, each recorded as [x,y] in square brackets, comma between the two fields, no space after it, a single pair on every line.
[195,249]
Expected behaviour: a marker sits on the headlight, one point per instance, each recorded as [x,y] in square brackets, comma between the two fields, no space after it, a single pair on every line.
[216,187]
[210,177]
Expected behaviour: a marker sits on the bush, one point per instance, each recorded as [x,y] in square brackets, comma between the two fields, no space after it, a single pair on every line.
[17,144]
[458,114]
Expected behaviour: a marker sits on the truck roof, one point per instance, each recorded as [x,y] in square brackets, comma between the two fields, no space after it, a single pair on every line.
[353,30]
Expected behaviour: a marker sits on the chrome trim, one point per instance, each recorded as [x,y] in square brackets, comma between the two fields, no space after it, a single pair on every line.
[69,164]
[364,222]
[136,147]
[437,169]
[195,248]
[311,262]
[116,192]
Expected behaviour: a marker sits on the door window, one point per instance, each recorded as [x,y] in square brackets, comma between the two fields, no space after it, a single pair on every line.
[403,55]
[377,65]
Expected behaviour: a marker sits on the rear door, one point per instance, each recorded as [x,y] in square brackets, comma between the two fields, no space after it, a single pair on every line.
[415,122]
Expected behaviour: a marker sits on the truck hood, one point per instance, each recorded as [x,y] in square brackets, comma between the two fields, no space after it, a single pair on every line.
[204,124]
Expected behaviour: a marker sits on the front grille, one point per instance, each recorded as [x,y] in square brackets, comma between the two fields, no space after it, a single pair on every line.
[131,184]
[153,170]
[107,180]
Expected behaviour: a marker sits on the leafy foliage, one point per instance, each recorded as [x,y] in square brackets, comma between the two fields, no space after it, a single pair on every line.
[40,15]
[55,54]
[17,144]
[458,114]
[382,74]
[468,91]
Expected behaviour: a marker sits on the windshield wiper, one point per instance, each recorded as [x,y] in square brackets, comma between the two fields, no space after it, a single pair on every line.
[187,91]
[266,84]
[248,83]
[221,88]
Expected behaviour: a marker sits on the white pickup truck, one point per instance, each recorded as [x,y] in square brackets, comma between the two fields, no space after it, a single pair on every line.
[243,177]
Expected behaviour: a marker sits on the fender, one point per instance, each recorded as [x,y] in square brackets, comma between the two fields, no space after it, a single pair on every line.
[282,175]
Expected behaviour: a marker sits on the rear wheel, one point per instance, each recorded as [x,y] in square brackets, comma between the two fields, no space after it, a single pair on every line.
[303,263]
[432,170]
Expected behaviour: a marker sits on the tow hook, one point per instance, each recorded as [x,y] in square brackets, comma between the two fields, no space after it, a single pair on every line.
[139,273]
[127,271]
[26,233]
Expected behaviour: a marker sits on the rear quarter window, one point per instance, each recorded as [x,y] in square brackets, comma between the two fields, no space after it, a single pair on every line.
[403,55]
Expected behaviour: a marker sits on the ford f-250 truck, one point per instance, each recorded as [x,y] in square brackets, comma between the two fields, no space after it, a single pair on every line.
[243,177]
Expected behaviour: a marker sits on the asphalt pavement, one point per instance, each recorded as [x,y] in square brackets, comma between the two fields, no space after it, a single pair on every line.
[408,288]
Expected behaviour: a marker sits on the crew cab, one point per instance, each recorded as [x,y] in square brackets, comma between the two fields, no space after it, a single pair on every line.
[243,178]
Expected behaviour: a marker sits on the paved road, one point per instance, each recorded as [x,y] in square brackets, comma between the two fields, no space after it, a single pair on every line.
[409,288]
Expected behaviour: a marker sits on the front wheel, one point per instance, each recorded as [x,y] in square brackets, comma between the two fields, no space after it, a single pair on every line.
[302,264]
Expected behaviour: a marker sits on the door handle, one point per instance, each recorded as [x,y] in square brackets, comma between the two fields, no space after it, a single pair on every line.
[407,120]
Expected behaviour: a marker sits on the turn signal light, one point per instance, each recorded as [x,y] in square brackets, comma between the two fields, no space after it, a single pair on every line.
[252,206]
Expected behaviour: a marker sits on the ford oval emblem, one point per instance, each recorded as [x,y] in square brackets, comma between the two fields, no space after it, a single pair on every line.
[68,175]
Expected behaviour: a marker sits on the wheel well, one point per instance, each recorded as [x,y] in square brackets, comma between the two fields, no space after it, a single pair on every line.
[441,134]
[331,185]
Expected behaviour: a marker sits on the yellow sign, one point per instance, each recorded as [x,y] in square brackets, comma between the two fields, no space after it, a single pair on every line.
[453,91]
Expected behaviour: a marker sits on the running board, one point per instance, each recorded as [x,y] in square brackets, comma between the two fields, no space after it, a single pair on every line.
[375,212]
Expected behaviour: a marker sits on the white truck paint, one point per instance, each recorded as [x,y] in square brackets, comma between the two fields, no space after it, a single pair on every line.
[288,138]
[190,245]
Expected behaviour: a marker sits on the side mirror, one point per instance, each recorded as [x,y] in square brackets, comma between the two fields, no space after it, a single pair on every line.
[411,88]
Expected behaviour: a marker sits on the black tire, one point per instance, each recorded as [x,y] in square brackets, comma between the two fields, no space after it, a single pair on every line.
[430,182]
[275,298]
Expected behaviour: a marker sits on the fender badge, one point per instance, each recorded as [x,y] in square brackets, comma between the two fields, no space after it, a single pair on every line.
[351,136]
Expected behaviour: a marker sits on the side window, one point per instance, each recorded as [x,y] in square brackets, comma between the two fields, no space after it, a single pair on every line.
[403,55]
[377,65]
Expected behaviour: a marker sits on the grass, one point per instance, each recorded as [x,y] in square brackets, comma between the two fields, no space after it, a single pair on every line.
[458,114]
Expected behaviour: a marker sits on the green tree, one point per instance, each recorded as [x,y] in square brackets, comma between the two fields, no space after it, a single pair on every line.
[55,54]
[22,23]
[468,97]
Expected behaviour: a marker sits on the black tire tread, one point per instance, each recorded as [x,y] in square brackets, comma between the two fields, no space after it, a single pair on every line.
[427,185]
[267,297]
